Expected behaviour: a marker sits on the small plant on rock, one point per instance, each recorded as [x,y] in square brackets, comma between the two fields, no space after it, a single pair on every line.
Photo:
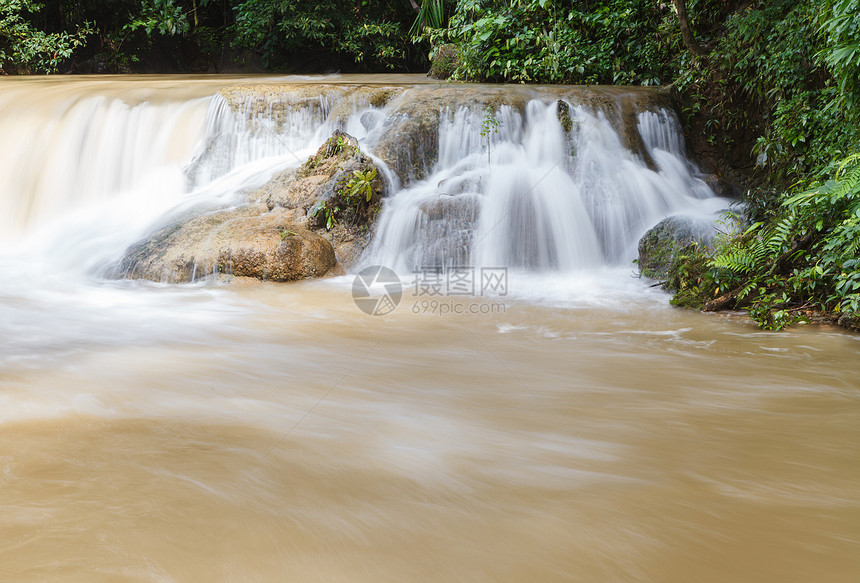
[489,127]
[361,184]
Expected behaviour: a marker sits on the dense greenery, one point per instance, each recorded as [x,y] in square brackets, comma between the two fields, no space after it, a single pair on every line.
[374,34]
[804,263]
[786,70]
[27,47]
[603,41]
[201,35]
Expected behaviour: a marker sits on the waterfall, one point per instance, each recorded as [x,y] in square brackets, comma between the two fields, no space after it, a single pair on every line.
[534,196]
[87,173]
[62,153]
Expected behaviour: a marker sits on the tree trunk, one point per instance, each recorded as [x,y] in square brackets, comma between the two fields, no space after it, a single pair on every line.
[689,40]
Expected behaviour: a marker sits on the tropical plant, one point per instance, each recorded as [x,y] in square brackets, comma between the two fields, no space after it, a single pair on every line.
[806,261]
[840,21]
[24,46]
[360,185]
[431,14]
[370,34]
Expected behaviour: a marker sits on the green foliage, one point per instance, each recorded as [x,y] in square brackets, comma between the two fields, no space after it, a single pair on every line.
[368,33]
[361,184]
[159,16]
[603,41]
[326,214]
[770,83]
[24,46]
[489,127]
[444,61]
[840,22]
[804,262]
[691,278]
[351,203]
[431,14]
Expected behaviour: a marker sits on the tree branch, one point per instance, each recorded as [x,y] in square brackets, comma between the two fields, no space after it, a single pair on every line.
[687,34]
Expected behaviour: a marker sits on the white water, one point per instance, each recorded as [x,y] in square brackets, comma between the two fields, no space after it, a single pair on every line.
[538,199]
[99,172]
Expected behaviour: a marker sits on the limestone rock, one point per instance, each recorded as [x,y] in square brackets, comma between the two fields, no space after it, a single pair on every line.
[444,61]
[296,226]
[234,242]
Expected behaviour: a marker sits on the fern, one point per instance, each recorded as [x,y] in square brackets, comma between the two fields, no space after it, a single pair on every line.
[845,185]
[806,258]
[781,234]
[747,288]
[742,260]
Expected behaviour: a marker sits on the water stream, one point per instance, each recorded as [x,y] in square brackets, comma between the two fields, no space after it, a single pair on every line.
[574,428]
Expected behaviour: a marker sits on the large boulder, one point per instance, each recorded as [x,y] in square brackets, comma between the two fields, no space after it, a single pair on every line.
[659,246]
[338,192]
[239,242]
[299,225]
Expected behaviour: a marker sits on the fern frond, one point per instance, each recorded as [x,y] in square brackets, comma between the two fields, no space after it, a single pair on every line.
[781,234]
[746,289]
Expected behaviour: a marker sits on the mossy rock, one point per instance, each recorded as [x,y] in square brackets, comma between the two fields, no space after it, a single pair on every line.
[564,118]
[661,244]
[240,242]
[444,61]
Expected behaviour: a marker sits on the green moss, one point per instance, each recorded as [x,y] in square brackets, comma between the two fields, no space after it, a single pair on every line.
[444,61]
[563,113]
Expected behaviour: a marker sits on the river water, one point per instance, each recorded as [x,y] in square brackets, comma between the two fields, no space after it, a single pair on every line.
[572,427]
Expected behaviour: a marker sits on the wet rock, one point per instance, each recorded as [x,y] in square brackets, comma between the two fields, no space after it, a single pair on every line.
[849,321]
[277,102]
[409,144]
[238,242]
[659,246]
[296,226]
[340,191]
[563,112]
[447,229]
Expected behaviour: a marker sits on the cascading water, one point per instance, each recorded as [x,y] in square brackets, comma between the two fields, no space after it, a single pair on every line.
[101,171]
[90,169]
[532,196]
[521,193]
[89,172]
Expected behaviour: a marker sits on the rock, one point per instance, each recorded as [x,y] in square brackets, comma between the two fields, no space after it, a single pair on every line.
[849,321]
[563,113]
[658,247]
[234,242]
[340,191]
[444,61]
[409,144]
[297,226]
[277,102]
